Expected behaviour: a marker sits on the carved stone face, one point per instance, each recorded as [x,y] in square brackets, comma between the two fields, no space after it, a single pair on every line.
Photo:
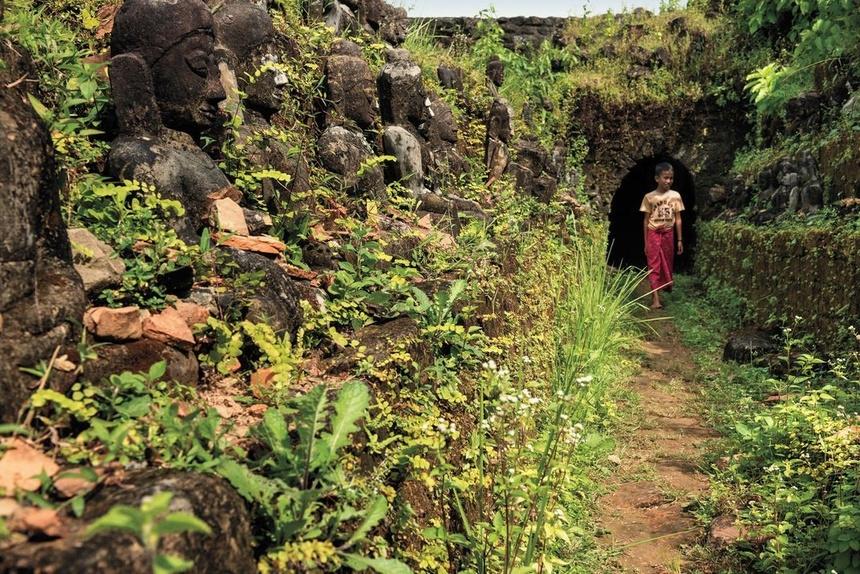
[187,84]
[175,40]
[246,32]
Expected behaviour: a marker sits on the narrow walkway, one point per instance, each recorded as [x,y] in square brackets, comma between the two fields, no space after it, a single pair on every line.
[644,518]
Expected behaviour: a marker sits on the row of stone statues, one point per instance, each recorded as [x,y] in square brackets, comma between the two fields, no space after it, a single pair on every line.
[177,67]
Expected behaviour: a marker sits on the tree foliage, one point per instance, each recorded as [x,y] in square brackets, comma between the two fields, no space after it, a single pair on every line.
[821,31]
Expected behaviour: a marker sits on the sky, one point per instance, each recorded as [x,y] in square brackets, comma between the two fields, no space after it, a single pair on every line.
[520,7]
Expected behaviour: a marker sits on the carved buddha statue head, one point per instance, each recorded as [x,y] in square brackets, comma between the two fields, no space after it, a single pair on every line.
[164,69]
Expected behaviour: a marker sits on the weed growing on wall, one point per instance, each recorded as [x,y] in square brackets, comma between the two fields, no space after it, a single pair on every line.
[821,34]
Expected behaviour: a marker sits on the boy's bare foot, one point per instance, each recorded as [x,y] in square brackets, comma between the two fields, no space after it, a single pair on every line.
[655,302]
[655,306]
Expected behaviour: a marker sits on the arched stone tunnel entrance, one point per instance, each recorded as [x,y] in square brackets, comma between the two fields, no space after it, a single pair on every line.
[626,241]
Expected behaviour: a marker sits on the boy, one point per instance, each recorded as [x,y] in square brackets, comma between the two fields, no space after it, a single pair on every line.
[662,208]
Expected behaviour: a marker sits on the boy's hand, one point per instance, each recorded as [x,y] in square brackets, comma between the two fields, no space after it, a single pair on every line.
[680,247]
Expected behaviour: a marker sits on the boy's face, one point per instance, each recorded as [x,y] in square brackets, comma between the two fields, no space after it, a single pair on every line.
[664,180]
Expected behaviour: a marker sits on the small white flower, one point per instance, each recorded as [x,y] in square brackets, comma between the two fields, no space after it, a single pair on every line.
[584,380]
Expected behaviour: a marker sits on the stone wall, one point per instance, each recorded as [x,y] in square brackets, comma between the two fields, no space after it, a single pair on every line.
[520,31]
[783,273]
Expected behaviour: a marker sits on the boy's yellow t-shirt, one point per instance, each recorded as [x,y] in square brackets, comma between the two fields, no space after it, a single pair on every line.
[661,208]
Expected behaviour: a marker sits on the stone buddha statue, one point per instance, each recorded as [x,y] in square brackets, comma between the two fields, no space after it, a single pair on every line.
[249,50]
[166,87]
[166,84]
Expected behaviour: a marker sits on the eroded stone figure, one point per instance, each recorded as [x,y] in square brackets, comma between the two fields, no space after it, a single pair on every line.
[41,296]
[166,86]
[250,51]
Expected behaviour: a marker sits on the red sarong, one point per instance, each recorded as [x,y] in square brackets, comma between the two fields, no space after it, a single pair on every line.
[661,256]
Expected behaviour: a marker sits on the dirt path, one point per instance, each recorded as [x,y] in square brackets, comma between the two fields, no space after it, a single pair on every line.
[644,518]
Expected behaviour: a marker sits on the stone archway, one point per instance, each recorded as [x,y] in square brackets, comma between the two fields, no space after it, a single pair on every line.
[626,241]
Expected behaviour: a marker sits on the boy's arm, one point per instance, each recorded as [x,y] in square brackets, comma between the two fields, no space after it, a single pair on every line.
[679,232]
[645,229]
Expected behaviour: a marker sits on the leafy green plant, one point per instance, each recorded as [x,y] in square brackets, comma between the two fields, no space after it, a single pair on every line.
[368,283]
[149,524]
[257,344]
[135,219]
[537,430]
[822,32]
[133,417]
[298,484]
[73,92]
[788,464]
[455,346]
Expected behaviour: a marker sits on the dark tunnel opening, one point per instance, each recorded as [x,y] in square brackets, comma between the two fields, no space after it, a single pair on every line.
[626,239]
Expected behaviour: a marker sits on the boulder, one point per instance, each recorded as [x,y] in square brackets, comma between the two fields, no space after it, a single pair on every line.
[747,345]
[259,222]
[377,16]
[123,324]
[499,132]
[450,78]
[532,170]
[192,313]
[380,341]
[342,152]
[248,40]
[340,18]
[351,88]
[443,125]
[318,255]
[406,148]
[497,158]
[95,261]
[276,300]
[170,328]
[228,216]
[162,104]
[500,121]
[811,197]
[138,357]
[343,47]
[544,188]
[42,297]
[228,548]
[496,71]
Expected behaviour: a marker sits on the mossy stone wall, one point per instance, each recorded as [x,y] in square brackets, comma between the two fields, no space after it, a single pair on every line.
[788,272]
